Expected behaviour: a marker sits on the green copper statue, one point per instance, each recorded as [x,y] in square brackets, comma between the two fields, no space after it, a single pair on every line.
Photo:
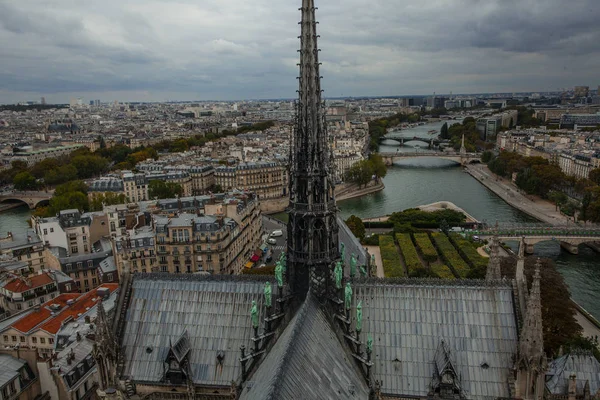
[373,259]
[282,258]
[268,294]
[254,314]
[279,274]
[339,273]
[363,271]
[348,296]
[369,343]
[343,252]
[353,266]
[359,317]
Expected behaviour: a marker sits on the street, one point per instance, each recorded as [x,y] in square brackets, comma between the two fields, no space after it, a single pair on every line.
[270,224]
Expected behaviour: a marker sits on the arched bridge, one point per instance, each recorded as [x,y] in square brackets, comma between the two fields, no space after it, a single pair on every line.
[458,157]
[432,140]
[570,237]
[32,199]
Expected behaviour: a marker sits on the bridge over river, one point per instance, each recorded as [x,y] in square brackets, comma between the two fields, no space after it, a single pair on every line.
[30,198]
[462,158]
[570,237]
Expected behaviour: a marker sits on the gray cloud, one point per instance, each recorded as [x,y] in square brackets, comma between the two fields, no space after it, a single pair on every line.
[234,49]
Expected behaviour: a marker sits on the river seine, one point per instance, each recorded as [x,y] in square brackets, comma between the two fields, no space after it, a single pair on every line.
[413,182]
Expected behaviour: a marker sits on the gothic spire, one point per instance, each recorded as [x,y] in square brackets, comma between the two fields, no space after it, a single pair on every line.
[531,343]
[312,227]
[493,269]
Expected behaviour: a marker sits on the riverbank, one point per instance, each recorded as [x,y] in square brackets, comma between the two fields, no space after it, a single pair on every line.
[354,191]
[342,192]
[537,208]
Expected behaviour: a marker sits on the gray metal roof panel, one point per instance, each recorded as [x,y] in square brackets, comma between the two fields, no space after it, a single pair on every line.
[582,363]
[307,362]
[408,322]
[215,313]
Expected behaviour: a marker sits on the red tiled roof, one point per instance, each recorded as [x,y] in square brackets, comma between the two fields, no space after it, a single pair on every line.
[52,324]
[18,285]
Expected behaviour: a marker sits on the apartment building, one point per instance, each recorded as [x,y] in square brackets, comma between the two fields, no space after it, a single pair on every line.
[19,293]
[203,178]
[38,328]
[135,186]
[578,165]
[24,247]
[206,234]
[266,179]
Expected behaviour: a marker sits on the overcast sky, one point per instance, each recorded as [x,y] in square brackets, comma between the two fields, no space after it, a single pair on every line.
[157,50]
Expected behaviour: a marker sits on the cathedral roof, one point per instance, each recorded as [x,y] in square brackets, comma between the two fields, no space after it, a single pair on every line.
[410,318]
[582,363]
[212,313]
[307,361]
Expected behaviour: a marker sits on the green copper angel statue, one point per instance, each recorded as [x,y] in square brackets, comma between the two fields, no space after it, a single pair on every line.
[279,274]
[353,266]
[339,273]
[369,343]
[254,314]
[359,317]
[343,252]
[268,294]
[348,296]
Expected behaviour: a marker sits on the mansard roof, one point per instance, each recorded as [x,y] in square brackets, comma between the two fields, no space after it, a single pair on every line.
[215,312]
[308,362]
[409,318]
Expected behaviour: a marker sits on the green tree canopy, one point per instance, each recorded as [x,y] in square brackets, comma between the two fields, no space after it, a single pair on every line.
[25,181]
[164,190]
[357,226]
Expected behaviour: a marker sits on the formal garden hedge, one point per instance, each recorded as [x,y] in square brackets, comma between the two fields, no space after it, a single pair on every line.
[426,248]
[441,271]
[392,266]
[409,252]
[469,252]
[449,254]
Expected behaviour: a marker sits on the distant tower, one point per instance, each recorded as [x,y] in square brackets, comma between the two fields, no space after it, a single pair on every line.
[43,102]
[531,364]
[493,269]
[312,227]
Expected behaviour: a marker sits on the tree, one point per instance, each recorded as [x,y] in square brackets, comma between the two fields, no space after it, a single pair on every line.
[444,132]
[89,165]
[70,195]
[379,167]
[19,165]
[360,173]
[594,176]
[107,199]
[164,190]
[357,226]
[558,313]
[558,198]
[486,157]
[444,227]
[25,181]
[102,142]
[59,175]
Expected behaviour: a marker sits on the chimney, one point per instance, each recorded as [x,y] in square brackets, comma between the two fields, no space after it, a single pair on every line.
[572,386]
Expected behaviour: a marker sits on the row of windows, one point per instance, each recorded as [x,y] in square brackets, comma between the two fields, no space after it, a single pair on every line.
[34,339]
[79,265]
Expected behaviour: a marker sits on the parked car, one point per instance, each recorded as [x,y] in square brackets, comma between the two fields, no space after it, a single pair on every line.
[277,233]
[272,241]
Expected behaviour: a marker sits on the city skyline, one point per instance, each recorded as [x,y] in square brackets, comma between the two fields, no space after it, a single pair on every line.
[227,50]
